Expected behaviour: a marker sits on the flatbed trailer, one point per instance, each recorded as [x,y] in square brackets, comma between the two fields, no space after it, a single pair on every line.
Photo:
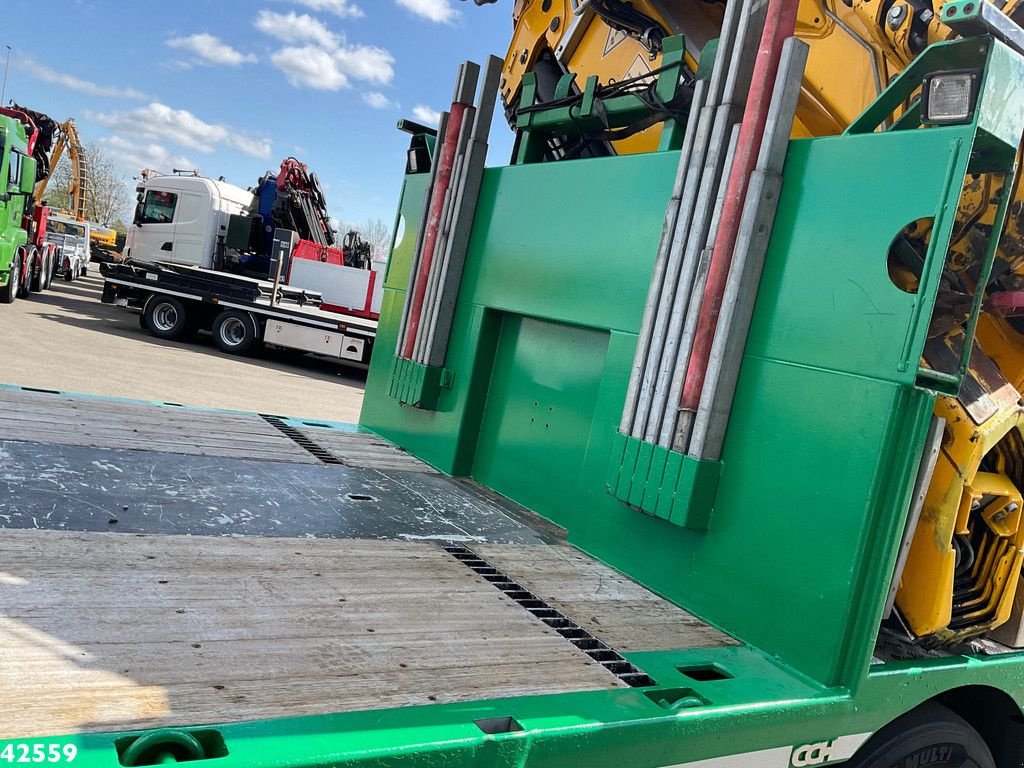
[650,610]
[185,584]
[167,567]
[240,312]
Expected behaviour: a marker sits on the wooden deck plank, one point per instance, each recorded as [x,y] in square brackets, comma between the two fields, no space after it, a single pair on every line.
[184,446]
[169,435]
[139,424]
[603,601]
[360,449]
[122,704]
[245,629]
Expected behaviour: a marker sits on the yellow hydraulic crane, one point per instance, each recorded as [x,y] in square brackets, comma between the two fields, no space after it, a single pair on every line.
[67,140]
[856,48]
[964,561]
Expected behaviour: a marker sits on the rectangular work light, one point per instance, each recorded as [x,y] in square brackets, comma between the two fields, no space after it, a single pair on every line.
[948,98]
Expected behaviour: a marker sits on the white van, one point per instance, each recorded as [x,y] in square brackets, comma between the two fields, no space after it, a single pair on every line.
[71,238]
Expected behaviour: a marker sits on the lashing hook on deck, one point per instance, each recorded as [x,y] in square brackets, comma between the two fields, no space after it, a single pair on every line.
[163,747]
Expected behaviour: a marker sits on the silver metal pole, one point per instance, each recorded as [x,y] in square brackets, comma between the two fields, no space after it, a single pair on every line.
[717,120]
[441,246]
[669,421]
[643,343]
[759,207]
[444,233]
[7,66]
[676,281]
[421,230]
[465,87]
[468,194]
[687,303]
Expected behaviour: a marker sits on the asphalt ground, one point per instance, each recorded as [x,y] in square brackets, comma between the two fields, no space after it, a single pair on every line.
[66,339]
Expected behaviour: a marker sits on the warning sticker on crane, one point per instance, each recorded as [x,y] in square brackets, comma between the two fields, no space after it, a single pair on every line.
[615,37]
[637,69]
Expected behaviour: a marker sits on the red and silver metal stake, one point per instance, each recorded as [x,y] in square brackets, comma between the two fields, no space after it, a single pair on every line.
[779,24]
[446,163]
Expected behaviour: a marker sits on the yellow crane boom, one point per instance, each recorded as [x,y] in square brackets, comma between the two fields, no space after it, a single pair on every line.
[69,141]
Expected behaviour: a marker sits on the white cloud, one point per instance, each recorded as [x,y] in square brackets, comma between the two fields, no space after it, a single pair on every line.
[440,11]
[295,28]
[211,50]
[132,157]
[378,100]
[48,75]
[342,8]
[366,62]
[331,70]
[315,56]
[179,127]
[426,115]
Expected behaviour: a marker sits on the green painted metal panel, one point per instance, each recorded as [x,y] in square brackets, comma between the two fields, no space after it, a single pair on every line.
[570,242]
[762,705]
[406,223]
[833,305]
[822,407]
[542,391]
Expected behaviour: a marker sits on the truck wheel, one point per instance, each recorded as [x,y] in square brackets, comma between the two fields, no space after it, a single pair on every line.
[235,332]
[26,276]
[929,735]
[36,283]
[47,270]
[10,291]
[166,317]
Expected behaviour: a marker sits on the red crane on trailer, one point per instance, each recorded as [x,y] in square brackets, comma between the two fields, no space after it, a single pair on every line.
[38,257]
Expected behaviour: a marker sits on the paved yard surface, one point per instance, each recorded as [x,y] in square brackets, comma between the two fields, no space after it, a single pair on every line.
[65,339]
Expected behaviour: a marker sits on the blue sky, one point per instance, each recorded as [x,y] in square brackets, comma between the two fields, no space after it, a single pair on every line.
[231,87]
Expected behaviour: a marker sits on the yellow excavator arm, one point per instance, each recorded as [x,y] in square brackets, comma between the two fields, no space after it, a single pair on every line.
[68,140]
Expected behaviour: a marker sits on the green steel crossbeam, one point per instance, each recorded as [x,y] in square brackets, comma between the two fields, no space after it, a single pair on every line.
[592,113]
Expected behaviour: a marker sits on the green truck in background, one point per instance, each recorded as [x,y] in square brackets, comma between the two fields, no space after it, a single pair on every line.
[22,266]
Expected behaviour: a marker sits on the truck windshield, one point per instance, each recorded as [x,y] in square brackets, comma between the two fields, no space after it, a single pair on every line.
[65,228]
[158,207]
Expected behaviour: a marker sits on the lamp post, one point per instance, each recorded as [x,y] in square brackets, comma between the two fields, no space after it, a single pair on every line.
[7,66]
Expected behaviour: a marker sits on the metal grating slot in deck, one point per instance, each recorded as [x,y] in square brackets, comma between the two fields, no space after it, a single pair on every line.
[300,439]
[596,649]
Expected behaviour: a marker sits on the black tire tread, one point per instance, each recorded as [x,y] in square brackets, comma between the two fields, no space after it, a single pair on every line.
[928,726]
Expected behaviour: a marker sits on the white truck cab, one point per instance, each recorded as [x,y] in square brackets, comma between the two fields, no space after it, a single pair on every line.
[180,218]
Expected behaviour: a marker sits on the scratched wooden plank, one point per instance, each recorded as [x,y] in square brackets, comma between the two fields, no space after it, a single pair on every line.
[360,449]
[152,631]
[96,423]
[608,604]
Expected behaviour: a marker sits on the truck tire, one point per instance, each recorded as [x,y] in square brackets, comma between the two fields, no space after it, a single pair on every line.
[929,735]
[166,317]
[235,332]
[37,284]
[26,276]
[10,291]
[47,270]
